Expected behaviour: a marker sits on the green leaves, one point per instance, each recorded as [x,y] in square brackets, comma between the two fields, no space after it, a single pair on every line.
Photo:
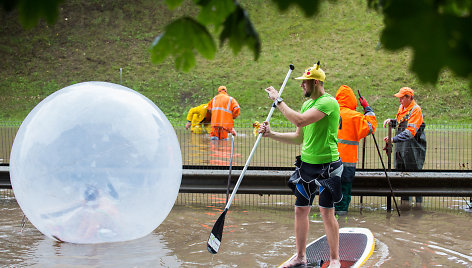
[215,12]
[437,31]
[180,39]
[173,4]
[186,36]
[31,11]
[239,31]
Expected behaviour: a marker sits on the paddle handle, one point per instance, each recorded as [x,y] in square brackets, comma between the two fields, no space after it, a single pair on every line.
[274,105]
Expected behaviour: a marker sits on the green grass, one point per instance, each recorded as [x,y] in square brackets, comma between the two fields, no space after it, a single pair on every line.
[92,40]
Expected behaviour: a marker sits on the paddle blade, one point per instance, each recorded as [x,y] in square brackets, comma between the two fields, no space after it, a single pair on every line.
[216,234]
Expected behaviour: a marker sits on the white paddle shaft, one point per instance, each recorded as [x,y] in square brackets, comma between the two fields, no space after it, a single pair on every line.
[256,144]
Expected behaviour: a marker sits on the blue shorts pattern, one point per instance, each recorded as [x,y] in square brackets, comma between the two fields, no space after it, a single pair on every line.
[307,178]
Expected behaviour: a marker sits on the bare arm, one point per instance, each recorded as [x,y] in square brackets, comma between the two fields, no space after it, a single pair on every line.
[289,137]
[298,119]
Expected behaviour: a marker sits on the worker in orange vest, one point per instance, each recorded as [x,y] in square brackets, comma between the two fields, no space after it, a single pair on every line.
[353,126]
[197,120]
[223,110]
[409,139]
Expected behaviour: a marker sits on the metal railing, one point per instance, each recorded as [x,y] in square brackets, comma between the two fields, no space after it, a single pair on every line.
[7,136]
[449,148]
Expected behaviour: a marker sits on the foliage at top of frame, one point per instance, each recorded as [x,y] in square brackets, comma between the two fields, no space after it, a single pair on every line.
[436,30]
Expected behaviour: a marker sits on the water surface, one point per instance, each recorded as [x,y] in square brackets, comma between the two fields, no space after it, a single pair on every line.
[258,233]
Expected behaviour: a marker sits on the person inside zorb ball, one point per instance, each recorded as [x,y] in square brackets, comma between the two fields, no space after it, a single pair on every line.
[96,162]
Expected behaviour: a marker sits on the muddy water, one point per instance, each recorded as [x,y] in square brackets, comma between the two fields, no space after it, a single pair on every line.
[258,233]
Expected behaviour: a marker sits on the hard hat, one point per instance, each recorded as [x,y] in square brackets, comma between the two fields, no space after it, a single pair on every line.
[404,91]
[222,88]
[314,72]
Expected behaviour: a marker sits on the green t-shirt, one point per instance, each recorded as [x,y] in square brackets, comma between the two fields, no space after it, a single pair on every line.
[320,139]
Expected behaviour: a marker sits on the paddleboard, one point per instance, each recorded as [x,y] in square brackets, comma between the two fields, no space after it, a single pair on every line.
[355,247]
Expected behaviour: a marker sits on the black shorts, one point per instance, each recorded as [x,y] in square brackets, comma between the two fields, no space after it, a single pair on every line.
[308,177]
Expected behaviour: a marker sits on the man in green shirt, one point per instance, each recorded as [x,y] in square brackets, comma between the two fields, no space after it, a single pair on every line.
[319,164]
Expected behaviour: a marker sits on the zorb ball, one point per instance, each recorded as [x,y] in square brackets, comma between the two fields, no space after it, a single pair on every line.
[96,162]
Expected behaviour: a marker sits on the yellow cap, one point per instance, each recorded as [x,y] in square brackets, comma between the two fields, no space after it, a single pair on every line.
[222,88]
[314,72]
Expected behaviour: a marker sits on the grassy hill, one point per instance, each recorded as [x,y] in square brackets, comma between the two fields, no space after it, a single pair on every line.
[92,40]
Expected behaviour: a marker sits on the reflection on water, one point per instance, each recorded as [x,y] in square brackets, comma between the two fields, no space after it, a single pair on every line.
[256,235]
[200,150]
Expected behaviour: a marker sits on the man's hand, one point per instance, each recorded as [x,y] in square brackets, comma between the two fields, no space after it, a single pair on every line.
[265,129]
[386,122]
[233,131]
[272,92]
[363,102]
[188,125]
[386,139]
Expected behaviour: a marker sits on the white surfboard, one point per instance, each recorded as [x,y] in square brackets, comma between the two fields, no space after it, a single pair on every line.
[356,245]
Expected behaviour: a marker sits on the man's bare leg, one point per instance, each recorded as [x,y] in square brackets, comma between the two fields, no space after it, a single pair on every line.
[331,227]
[302,225]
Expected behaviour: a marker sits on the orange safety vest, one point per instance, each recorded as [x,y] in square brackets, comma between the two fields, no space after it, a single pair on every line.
[224,109]
[353,126]
[414,118]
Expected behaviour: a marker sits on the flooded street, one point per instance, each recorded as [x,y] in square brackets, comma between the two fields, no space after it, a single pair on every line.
[258,230]
[258,233]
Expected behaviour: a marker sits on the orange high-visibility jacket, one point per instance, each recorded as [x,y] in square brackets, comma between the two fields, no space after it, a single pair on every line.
[414,120]
[353,126]
[224,109]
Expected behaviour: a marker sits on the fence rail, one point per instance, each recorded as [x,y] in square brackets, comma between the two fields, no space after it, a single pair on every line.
[371,183]
[449,148]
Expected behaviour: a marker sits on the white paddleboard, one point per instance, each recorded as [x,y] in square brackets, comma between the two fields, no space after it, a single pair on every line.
[356,245]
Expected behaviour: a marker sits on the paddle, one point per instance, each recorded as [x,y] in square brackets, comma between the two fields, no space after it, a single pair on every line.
[385,170]
[216,234]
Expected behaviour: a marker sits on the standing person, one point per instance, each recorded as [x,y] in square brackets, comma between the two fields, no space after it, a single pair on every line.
[223,110]
[353,127]
[197,120]
[319,163]
[409,139]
